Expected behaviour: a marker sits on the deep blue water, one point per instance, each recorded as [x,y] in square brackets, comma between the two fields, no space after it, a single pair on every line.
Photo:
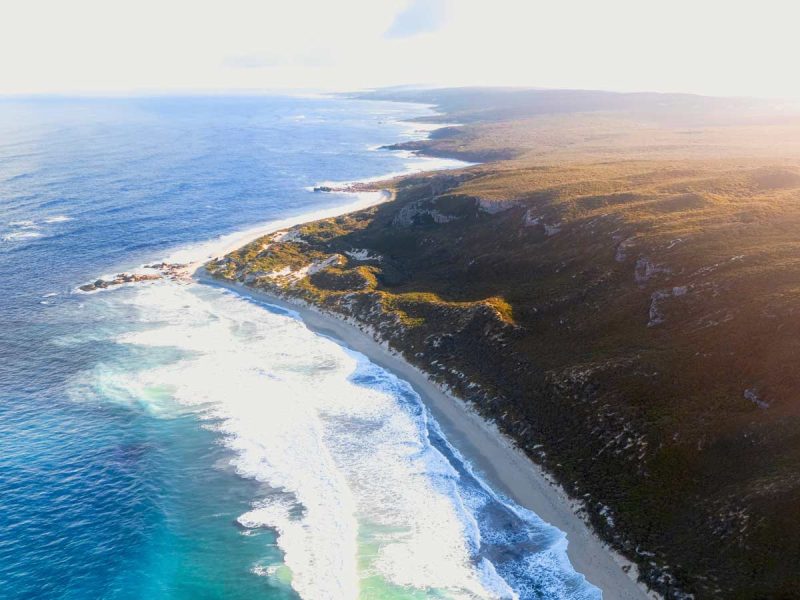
[96,500]
[101,495]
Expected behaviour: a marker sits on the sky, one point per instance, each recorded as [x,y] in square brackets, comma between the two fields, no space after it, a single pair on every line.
[731,47]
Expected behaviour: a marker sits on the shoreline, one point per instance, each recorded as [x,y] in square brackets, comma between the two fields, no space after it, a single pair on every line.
[196,254]
[359,200]
[494,456]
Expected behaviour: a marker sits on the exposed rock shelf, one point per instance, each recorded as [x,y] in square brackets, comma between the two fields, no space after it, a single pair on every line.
[173,271]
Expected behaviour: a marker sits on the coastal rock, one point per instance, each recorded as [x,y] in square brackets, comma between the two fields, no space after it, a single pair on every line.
[119,279]
[349,188]
[173,271]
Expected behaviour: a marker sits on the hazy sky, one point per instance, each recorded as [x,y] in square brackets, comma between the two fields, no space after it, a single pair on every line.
[705,46]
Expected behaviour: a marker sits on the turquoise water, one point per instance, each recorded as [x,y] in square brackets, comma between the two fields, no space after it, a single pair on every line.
[180,441]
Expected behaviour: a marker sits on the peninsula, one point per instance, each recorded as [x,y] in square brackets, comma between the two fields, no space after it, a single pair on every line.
[615,288]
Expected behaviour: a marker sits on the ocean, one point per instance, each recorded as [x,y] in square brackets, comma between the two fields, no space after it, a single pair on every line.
[173,440]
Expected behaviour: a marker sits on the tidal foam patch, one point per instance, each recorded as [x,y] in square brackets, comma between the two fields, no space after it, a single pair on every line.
[363,491]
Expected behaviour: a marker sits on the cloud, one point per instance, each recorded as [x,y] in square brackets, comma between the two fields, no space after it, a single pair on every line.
[420,16]
[265,60]
[252,61]
[318,44]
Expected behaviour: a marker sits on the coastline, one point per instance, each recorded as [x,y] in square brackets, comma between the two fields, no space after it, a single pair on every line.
[506,468]
[195,255]
[568,420]
[495,457]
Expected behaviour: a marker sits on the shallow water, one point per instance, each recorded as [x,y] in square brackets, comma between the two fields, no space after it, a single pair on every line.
[180,441]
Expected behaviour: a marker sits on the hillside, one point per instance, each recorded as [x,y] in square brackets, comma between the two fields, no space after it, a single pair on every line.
[575,126]
[622,305]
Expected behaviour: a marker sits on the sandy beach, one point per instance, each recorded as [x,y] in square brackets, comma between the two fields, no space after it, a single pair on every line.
[493,455]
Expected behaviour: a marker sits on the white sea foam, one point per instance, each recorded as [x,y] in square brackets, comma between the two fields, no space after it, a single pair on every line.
[16,236]
[419,129]
[58,219]
[23,224]
[413,164]
[28,229]
[362,491]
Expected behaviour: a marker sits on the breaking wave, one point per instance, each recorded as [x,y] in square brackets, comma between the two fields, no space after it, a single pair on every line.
[365,493]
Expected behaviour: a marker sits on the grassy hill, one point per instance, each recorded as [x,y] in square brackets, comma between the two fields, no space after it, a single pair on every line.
[625,306]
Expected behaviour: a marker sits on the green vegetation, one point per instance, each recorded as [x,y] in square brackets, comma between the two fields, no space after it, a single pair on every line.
[624,306]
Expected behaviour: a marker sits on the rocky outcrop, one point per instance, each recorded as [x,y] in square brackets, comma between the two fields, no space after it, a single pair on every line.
[174,271]
[350,188]
[119,279]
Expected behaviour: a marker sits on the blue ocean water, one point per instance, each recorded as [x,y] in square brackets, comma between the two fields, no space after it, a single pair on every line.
[179,441]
